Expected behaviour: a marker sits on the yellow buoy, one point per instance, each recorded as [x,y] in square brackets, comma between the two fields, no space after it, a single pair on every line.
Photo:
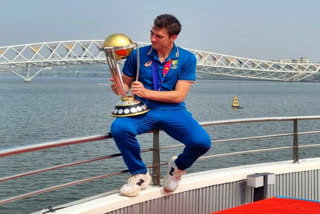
[235,102]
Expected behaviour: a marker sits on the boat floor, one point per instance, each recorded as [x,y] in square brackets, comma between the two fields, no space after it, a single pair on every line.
[107,202]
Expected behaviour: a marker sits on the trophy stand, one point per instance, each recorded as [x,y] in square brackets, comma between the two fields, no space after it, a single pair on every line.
[117,47]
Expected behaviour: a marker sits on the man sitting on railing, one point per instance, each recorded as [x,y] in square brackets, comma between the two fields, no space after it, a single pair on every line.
[166,74]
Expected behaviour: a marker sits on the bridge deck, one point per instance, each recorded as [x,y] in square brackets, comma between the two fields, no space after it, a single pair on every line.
[18,58]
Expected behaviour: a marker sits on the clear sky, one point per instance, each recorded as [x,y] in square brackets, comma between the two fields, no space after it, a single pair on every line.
[250,28]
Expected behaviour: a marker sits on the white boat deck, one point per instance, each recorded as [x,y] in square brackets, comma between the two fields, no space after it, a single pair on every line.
[189,182]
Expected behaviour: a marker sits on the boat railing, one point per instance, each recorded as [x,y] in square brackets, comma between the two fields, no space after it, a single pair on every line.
[156,163]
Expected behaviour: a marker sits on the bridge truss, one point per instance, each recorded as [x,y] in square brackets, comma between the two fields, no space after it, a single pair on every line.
[28,60]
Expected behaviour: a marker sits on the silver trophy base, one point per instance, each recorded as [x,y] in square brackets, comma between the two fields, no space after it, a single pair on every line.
[129,107]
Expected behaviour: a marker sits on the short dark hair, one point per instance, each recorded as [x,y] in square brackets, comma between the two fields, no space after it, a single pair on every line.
[170,22]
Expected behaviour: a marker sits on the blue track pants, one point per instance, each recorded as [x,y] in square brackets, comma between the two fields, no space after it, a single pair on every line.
[179,124]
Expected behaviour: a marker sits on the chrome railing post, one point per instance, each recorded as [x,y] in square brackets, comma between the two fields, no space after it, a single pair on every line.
[156,159]
[295,141]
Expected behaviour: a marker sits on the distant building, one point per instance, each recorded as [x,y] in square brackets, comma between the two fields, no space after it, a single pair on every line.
[282,60]
[295,60]
[300,60]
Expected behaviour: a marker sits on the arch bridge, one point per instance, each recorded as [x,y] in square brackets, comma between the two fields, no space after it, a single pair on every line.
[28,60]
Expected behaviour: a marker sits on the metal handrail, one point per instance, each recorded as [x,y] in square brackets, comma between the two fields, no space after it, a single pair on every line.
[156,151]
[42,146]
[24,149]
[161,148]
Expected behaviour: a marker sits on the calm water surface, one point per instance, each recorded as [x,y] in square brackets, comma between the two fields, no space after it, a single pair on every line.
[51,109]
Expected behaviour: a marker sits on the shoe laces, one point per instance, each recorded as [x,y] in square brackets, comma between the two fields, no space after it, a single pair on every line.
[178,173]
[133,179]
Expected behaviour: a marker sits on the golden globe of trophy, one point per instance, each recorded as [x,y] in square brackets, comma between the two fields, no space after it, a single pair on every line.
[117,47]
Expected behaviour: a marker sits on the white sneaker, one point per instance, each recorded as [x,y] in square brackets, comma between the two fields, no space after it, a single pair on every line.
[135,184]
[172,179]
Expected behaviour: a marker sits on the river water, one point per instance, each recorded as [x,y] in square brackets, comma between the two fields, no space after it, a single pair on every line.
[50,109]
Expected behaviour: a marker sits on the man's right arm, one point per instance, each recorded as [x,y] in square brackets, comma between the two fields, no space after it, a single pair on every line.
[127,81]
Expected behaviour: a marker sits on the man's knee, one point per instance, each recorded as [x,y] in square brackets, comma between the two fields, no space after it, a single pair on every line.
[119,128]
[202,143]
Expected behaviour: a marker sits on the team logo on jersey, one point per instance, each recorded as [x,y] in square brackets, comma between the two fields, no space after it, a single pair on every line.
[174,64]
[147,64]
